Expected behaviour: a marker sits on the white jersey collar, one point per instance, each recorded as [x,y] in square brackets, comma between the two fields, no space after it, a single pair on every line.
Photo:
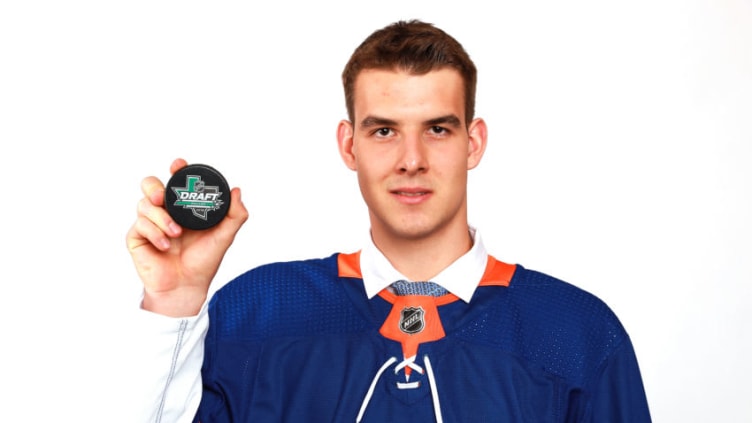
[460,278]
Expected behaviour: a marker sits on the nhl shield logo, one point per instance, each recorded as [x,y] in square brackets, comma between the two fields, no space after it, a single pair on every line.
[412,320]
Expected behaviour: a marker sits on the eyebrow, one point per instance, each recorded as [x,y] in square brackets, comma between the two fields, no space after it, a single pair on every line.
[372,121]
[451,120]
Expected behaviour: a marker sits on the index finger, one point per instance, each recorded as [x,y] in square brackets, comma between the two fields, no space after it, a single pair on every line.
[177,164]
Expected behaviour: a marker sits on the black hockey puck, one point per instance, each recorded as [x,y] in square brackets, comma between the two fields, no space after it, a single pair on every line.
[197,197]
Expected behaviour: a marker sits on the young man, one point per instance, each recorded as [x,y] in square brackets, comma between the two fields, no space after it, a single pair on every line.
[333,340]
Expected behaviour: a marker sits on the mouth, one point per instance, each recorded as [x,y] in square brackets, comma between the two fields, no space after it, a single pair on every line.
[411,196]
[410,193]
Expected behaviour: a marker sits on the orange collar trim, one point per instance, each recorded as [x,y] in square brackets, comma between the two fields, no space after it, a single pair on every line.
[349,265]
[497,273]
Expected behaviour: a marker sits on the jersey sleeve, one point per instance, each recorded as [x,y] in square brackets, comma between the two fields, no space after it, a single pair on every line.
[617,392]
[168,356]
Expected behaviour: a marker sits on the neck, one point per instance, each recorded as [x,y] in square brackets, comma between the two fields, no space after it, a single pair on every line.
[422,258]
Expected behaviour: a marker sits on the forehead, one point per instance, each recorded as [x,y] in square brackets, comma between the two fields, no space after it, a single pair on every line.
[390,93]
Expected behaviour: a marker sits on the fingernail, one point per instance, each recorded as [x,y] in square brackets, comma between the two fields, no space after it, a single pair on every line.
[164,243]
[174,228]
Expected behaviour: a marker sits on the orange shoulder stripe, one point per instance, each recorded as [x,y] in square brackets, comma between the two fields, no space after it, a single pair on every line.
[349,265]
[497,273]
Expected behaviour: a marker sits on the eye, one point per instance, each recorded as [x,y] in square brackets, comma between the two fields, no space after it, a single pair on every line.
[383,132]
[438,130]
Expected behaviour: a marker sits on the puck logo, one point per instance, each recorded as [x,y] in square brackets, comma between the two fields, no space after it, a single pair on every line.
[412,320]
[198,197]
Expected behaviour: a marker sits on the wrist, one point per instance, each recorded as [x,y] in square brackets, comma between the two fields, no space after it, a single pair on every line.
[178,303]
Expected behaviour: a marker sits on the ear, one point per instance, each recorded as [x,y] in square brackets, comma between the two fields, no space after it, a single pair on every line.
[345,143]
[477,136]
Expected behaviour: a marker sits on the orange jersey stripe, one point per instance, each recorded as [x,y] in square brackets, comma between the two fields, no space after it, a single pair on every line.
[497,273]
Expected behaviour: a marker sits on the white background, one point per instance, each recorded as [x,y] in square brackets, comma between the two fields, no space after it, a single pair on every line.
[619,160]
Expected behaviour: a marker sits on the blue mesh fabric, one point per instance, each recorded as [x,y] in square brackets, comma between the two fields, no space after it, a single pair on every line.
[287,299]
[427,288]
[568,331]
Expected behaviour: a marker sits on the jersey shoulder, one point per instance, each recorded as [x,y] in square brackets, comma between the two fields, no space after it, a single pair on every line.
[282,299]
[557,325]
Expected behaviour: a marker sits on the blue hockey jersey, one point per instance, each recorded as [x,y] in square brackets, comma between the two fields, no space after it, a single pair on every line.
[301,342]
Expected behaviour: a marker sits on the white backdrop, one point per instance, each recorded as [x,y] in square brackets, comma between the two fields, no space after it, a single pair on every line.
[619,160]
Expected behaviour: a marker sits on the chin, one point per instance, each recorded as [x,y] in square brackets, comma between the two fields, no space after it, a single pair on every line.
[409,226]
[414,231]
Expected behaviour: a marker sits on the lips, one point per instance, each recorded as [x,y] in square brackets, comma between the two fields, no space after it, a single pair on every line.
[411,195]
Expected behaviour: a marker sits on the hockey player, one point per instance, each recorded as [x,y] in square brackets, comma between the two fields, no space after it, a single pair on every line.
[336,339]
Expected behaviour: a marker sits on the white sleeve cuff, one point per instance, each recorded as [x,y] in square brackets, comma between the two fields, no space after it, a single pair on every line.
[168,355]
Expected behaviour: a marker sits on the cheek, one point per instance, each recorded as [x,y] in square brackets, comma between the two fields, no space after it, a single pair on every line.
[372,167]
[454,177]
[450,165]
[366,178]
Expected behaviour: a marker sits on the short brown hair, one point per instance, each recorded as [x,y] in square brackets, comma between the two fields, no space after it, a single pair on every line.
[412,46]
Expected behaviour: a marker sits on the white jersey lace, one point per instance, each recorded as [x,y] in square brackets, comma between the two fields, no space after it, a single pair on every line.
[407,362]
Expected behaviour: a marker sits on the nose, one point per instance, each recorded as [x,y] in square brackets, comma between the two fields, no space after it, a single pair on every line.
[414,156]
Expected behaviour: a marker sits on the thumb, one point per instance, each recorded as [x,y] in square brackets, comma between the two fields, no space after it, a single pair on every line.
[236,216]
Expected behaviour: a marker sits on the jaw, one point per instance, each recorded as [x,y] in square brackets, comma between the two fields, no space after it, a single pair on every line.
[418,245]
[411,220]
